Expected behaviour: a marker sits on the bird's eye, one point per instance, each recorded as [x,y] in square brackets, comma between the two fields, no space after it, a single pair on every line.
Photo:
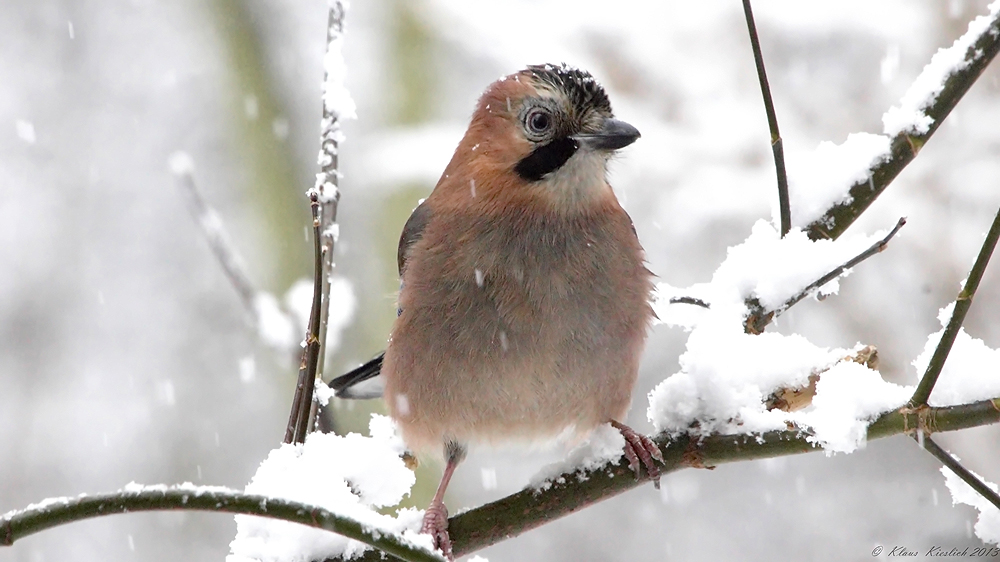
[538,121]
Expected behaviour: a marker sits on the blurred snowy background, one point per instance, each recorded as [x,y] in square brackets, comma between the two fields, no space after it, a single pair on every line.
[125,353]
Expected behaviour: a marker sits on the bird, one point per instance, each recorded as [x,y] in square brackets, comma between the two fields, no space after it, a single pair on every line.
[524,300]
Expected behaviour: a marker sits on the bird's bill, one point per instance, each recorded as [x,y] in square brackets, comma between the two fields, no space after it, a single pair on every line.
[613,135]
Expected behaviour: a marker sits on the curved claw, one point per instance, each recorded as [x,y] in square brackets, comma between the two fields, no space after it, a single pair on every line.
[436,525]
[638,448]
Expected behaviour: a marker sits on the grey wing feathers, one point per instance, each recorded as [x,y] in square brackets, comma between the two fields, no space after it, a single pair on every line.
[412,231]
[365,381]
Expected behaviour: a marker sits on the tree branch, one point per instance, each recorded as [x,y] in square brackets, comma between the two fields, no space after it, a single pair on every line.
[502,519]
[905,145]
[19,524]
[784,208]
[300,417]
[758,318]
[215,233]
[962,305]
[960,471]
[324,197]
[531,508]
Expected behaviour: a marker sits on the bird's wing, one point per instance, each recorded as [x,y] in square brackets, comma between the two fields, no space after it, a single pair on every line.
[412,231]
[350,385]
[366,380]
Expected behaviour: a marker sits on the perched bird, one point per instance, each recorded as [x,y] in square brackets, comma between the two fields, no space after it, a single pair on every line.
[524,300]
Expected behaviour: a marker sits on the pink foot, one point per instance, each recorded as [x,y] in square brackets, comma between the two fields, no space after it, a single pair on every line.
[640,448]
[436,525]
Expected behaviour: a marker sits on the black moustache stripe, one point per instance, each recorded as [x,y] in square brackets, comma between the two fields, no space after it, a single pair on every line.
[546,159]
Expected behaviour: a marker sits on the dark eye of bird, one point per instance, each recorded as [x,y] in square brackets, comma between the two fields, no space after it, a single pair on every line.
[539,121]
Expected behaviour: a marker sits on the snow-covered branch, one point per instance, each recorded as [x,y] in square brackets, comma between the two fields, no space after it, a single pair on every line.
[573,490]
[907,127]
[16,525]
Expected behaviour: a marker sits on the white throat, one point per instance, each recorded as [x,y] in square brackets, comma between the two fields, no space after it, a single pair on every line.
[580,182]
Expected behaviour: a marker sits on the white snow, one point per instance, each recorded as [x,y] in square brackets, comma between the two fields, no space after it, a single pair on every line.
[988,524]
[909,115]
[726,375]
[349,475]
[848,397]
[823,177]
[604,445]
[323,393]
[336,99]
[969,373]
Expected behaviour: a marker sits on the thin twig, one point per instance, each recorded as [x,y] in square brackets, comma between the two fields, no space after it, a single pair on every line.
[784,208]
[905,145]
[19,524]
[572,491]
[960,471]
[299,421]
[324,197]
[962,305]
[759,318]
[328,186]
[216,235]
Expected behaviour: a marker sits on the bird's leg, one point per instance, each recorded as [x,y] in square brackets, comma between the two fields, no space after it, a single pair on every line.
[436,517]
[640,448]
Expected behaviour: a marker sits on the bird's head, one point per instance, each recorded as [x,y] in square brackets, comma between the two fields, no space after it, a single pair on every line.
[545,132]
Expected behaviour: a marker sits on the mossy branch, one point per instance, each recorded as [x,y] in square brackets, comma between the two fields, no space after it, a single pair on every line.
[19,524]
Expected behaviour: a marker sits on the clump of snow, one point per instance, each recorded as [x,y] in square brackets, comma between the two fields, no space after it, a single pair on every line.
[988,524]
[727,375]
[604,445]
[819,179]
[969,373]
[848,397]
[767,266]
[323,393]
[349,475]
[909,115]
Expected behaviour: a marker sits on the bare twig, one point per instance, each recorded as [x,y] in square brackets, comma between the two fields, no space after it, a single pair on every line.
[784,208]
[328,180]
[216,235]
[324,197]
[905,145]
[299,419]
[759,318]
[959,470]
[19,524]
[962,305]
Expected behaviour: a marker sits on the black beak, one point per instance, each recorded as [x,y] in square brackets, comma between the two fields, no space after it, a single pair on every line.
[613,135]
